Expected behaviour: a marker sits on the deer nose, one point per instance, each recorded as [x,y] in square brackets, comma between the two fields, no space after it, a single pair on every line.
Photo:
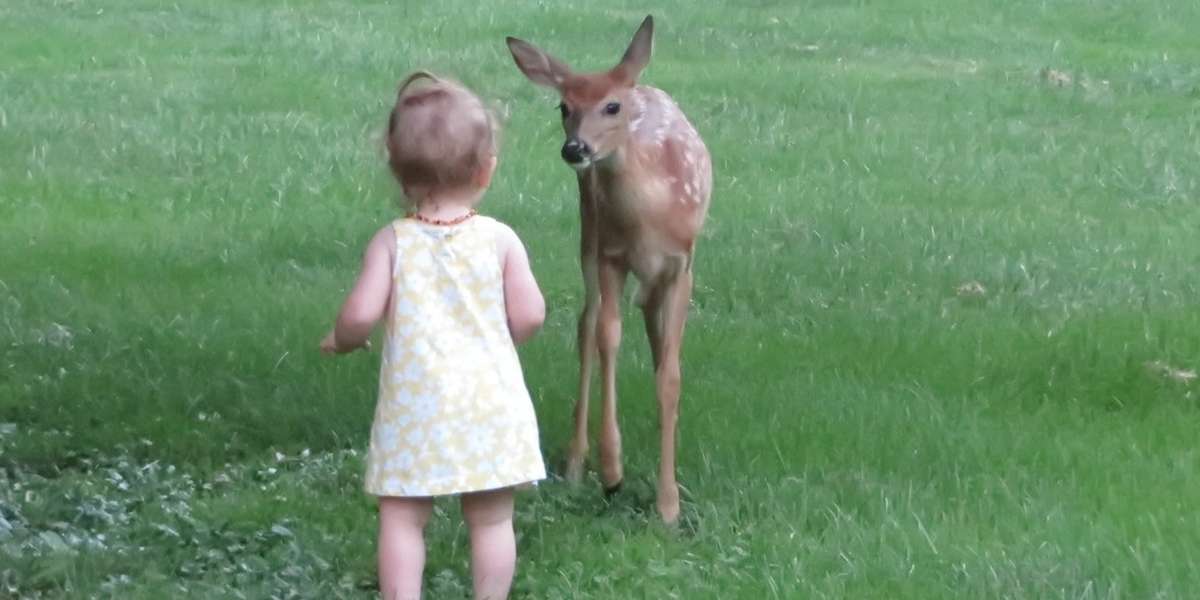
[575,150]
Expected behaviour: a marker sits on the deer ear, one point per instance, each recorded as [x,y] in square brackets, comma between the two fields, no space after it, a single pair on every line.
[637,55]
[539,67]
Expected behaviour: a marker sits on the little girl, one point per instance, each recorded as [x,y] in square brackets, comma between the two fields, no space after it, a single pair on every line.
[453,414]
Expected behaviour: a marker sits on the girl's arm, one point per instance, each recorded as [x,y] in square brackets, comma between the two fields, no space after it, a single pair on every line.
[368,301]
[523,300]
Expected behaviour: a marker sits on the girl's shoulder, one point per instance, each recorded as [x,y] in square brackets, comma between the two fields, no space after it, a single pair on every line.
[494,225]
[384,238]
[503,235]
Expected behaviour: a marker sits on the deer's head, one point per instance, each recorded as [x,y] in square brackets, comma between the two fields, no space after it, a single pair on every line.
[595,106]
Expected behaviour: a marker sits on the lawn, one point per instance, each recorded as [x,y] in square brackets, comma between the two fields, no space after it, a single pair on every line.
[941,346]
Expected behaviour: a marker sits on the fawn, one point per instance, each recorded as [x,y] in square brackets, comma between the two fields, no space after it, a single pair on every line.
[645,178]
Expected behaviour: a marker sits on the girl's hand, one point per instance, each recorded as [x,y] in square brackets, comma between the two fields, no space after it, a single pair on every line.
[329,345]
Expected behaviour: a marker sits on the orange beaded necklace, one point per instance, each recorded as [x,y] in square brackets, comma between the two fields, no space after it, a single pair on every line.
[444,222]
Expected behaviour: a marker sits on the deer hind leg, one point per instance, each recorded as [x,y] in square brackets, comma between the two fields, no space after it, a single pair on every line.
[586,339]
[676,297]
[612,282]
[652,315]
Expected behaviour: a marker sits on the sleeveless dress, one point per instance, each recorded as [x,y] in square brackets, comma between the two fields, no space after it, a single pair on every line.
[453,413]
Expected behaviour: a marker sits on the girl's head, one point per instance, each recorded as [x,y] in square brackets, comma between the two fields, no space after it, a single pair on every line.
[441,140]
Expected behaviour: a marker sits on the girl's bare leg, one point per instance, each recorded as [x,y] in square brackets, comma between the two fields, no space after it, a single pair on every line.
[402,546]
[493,546]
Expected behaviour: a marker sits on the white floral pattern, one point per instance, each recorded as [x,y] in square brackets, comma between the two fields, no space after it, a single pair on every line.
[453,413]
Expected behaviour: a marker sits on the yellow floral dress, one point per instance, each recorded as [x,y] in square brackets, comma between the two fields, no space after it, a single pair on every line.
[453,413]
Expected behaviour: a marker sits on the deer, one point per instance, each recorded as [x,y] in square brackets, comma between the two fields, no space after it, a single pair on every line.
[645,179]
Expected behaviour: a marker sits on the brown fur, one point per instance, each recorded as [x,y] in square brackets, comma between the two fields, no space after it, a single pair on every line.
[644,189]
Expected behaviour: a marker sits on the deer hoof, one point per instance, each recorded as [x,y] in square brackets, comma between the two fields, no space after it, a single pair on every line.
[611,489]
[574,469]
[668,507]
[670,514]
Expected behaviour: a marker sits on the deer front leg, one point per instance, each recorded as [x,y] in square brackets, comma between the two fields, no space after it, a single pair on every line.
[667,379]
[586,339]
[612,282]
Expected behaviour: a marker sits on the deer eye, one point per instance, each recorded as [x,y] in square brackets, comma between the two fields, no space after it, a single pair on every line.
[612,108]
[562,108]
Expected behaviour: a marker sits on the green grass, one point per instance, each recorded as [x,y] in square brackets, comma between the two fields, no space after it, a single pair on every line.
[185,189]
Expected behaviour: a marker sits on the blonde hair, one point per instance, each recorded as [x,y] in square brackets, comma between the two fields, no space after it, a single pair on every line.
[440,135]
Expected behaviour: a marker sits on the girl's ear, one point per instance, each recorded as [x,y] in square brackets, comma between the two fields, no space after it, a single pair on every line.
[484,177]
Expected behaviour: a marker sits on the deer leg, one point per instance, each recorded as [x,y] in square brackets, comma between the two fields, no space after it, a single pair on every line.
[612,282]
[587,356]
[652,315]
[677,295]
